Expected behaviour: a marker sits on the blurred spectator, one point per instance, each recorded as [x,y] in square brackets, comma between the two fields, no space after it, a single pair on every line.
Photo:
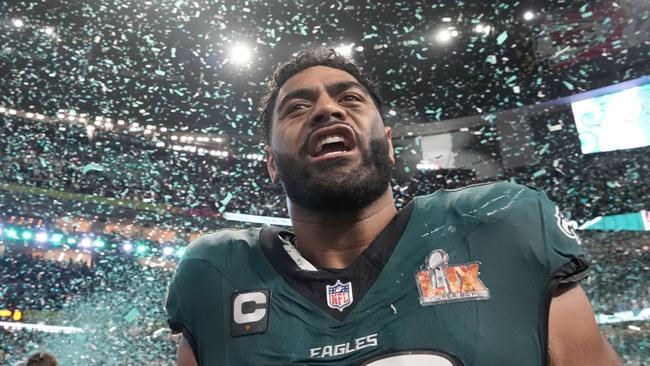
[42,359]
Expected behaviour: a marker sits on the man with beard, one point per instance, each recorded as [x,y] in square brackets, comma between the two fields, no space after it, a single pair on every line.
[485,275]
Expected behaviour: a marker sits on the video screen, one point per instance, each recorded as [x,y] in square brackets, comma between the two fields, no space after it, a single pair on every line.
[614,121]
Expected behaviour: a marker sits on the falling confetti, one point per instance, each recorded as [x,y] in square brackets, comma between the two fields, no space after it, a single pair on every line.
[502,37]
[130,128]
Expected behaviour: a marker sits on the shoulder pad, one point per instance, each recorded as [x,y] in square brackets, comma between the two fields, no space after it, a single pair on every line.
[221,247]
[492,199]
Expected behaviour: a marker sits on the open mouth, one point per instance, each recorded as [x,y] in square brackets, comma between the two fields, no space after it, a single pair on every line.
[332,141]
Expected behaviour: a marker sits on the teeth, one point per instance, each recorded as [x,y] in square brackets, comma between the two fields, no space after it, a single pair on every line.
[331,139]
[332,153]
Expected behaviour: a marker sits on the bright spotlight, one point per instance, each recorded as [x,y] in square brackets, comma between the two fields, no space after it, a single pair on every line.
[12,233]
[18,23]
[478,28]
[344,50]
[443,36]
[529,15]
[41,237]
[167,250]
[48,30]
[127,247]
[86,243]
[56,238]
[240,54]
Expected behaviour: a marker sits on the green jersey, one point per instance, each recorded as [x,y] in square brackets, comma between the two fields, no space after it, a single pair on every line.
[459,277]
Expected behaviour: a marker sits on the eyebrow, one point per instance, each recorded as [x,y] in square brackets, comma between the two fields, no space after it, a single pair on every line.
[311,93]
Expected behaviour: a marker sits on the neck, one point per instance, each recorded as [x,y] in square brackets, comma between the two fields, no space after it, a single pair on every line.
[335,239]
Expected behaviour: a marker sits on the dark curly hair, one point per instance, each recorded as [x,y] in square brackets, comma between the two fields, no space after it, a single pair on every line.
[304,60]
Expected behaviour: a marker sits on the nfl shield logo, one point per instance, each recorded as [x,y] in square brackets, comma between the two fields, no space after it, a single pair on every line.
[339,295]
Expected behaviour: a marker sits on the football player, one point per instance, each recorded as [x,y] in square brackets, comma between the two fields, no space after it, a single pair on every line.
[484,275]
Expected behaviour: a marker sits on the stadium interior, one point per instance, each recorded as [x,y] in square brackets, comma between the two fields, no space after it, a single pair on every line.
[129,128]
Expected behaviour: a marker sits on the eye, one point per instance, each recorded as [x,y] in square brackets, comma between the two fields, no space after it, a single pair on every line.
[294,107]
[351,98]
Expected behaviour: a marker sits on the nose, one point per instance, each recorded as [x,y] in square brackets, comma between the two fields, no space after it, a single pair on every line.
[326,109]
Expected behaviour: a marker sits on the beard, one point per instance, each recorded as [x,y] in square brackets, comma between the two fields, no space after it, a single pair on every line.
[329,188]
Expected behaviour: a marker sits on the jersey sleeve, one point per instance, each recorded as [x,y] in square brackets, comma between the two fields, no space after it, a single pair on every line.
[194,299]
[566,258]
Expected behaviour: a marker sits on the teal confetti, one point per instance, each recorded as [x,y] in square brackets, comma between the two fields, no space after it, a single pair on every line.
[502,37]
[539,173]
[132,315]
[224,202]
[544,149]
[92,167]
[568,85]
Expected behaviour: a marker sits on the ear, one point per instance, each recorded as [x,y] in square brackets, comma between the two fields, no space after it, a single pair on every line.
[389,136]
[270,164]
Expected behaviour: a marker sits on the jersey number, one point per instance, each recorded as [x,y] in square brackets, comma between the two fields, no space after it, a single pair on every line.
[414,358]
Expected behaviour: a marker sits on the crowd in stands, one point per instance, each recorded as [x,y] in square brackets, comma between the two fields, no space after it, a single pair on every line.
[117,303]
[44,156]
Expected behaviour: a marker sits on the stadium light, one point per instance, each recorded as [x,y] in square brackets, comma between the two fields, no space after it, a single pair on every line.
[240,54]
[140,249]
[443,36]
[127,247]
[40,327]
[167,250]
[529,15]
[86,243]
[41,237]
[71,241]
[48,30]
[12,233]
[18,22]
[56,238]
[27,235]
[344,50]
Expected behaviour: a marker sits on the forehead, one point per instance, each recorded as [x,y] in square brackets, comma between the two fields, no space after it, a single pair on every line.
[314,77]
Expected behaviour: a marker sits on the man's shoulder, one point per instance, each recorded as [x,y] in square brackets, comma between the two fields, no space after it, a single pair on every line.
[222,246]
[482,199]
